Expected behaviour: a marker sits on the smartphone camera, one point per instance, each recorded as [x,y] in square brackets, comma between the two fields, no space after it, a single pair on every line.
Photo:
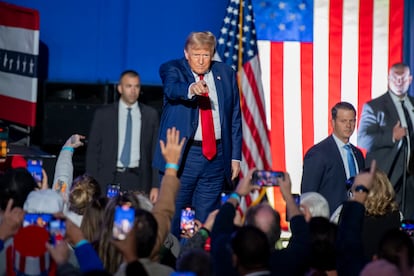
[123,221]
[265,178]
[34,166]
[187,223]
[112,190]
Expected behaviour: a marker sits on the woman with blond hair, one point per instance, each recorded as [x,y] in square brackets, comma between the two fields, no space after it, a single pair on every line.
[381,212]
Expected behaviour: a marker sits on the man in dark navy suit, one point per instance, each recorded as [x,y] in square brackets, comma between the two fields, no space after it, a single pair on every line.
[325,166]
[187,83]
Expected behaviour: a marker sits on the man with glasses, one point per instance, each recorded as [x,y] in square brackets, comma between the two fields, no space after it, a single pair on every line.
[329,164]
[386,132]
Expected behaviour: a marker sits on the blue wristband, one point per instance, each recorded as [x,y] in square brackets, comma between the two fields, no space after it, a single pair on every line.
[236,196]
[80,243]
[172,166]
[68,148]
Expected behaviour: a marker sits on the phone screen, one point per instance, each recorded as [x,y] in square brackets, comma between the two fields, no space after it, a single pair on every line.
[187,220]
[4,138]
[39,219]
[34,166]
[112,190]
[57,230]
[123,221]
[266,178]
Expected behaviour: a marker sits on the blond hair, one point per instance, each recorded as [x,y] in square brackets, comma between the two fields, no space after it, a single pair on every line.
[201,40]
[381,197]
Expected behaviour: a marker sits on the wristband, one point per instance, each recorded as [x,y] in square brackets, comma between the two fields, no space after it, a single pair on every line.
[204,232]
[68,149]
[236,196]
[80,243]
[361,189]
[172,166]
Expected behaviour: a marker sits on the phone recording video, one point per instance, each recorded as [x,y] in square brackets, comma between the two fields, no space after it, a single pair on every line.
[123,221]
[112,190]
[4,138]
[57,230]
[265,178]
[39,219]
[407,226]
[34,166]
[187,224]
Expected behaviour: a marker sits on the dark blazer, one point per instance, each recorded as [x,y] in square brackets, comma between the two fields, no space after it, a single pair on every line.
[102,151]
[324,171]
[181,112]
[378,119]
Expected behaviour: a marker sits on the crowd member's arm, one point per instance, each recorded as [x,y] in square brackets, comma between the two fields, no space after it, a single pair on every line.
[292,260]
[164,208]
[350,258]
[11,222]
[223,228]
[87,257]
[64,166]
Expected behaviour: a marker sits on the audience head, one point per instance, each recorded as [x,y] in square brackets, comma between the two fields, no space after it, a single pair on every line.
[314,205]
[395,245]
[323,237]
[250,249]
[16,184]
[264,217]
[110,256]
[84,189]
[43,201]
[399,79]
[343,120]
[195,260]
[381,197]
[146,229]
[93,218]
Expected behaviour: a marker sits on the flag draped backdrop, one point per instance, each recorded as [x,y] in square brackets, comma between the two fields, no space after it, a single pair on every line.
[316,53]
[237,46]
[19,50]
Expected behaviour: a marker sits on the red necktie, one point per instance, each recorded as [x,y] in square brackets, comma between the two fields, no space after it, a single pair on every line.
[207,126]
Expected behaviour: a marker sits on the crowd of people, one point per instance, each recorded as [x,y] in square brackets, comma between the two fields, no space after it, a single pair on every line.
[348,220]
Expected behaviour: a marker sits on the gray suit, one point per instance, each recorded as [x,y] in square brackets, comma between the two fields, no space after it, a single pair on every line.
[102,151]
[379,116]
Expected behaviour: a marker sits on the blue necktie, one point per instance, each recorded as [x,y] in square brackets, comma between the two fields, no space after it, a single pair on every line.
[351,162]
[126,151]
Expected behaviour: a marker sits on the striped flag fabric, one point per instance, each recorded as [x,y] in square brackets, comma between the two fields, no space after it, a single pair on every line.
[19,51]
[238,48]
[315,53]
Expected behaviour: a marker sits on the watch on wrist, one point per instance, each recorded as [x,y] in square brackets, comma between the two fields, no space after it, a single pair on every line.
[361,189]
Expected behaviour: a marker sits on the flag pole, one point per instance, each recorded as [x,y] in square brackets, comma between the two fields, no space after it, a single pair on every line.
[240,52]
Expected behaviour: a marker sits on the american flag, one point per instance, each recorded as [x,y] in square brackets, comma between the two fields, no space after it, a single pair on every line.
[316,53]
[19,51]
[237,46]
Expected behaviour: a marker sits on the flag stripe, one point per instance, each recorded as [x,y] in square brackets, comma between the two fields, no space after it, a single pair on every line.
[396,31]
[16,16]
[18,40]
[307,94]
[25,112]
[16,86]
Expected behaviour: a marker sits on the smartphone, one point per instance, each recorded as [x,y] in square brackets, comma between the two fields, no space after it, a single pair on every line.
[39,219]
[123,221]
[224,197]
[34,166]
[187,223]
[112,190]
[407,226]
[296,198]
[57,230]
[4,139]
[266,178]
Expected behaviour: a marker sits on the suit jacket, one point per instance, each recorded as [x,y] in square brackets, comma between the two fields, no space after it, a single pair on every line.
[378,119]
[102,150]
[324,171]
[181,112]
